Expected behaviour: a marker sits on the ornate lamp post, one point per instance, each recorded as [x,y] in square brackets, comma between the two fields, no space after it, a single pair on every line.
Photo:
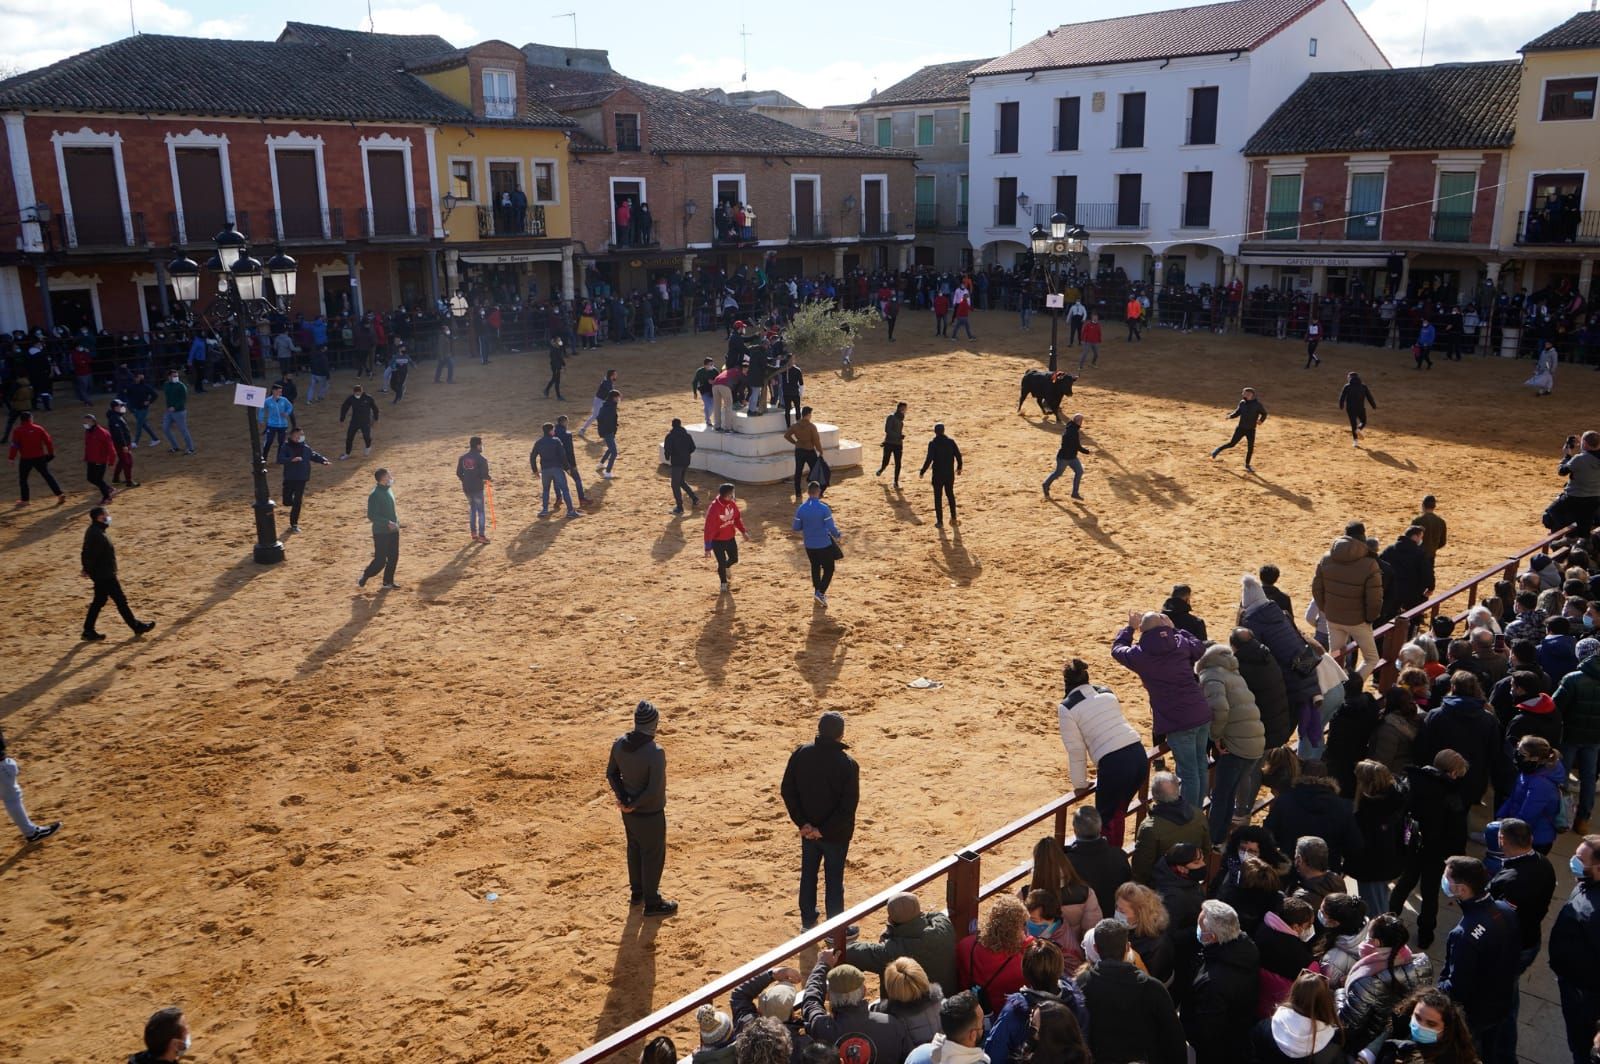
[1052,248]
[242,302]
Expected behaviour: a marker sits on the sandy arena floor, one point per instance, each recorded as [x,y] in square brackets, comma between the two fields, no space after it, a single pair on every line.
[284,808]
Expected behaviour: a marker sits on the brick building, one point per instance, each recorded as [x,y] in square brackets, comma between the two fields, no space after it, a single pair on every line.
[1382,180]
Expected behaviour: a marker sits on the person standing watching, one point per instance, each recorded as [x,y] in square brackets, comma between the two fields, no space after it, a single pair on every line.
[176,394]
[1067,456]
[821,789]
[549,461]
[1527,883]
[1348,589]
[99,560]
[894,438]
[472,469]
[98,453]
[807,442]
[1574,945]
[297,459]
[1236,732]
[678,447]
[722,521]
[1091,342]
[1580,464]
[701,386]
[122,441]
[606,425]
[564,434]
[1092,725]
[385,531]
[813,519]
[1164,661]
[362,410]
[944,457]
[1481,953]
[274,418]
[558,362]
[637,773]
[166,1038]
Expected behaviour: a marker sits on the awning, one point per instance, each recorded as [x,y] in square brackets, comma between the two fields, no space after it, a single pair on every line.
[484,258]
[1289,258]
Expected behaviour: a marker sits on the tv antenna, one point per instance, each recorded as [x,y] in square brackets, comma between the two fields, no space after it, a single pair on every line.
[744,53]
[1011,27]
[573,15]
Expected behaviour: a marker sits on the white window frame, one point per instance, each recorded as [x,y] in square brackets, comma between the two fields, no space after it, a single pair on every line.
[1543,171]
[1368,166]
[916,129]
[717,179]
[1544,85]
[555,181]
[611,199]
[475,192]
[295,141]
[387,142]
[196,139]
[511,76]
[88,138]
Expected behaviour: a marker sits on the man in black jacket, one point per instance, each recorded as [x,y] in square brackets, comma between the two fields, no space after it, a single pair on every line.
[1526,882]
[678,448]
[362,411]
[1574,944]
[558,361]
[1102,865]
[894,438]
[1067,456]
[821,788]
[1250,413]
[1182,616]
[1134,1019]
[1480,954]
[944,458]
[99,559]
[1222,1001]
[637,773]
[1411,567]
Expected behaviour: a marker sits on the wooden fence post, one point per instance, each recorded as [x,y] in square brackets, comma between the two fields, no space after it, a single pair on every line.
[961,889]
[1061,826]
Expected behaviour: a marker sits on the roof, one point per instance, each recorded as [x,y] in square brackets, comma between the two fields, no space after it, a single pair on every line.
[1233,26]
[679,124]
[1579,31]
[938,83]
[256,79]
[409,48]
[1452,105]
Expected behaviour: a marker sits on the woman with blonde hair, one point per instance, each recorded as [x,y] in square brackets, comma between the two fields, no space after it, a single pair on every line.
[1303,1030]
[1141,911]
[910,997]
[991,960]
[1381,803]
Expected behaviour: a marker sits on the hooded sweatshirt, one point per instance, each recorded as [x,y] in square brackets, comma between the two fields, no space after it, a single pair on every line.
[1535,716]
[1537,798]
[1348,586]
[948,1052]
[1299,1037]
[637,772]
[1164,661]
[1235,719]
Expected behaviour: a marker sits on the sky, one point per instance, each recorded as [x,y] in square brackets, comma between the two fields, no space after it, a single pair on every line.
[835,52]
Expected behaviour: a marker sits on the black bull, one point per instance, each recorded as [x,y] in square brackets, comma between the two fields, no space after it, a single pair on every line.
[1047,389]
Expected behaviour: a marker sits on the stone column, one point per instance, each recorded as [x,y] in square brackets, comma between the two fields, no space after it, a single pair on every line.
[356,307]
[44,296]
[838,262]
[162,292]
[566,272]
[1585,276]
[452,271]
[433,277]
[1486,318]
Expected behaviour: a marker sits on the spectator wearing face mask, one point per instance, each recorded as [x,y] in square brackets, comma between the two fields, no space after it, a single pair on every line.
[1284,941]
[1133,1015]
[166,1038]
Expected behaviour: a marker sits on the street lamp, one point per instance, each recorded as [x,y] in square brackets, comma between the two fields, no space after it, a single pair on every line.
[243,301]
[1052,247]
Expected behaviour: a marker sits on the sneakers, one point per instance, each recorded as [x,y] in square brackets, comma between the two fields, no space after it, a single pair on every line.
[189,451]
[1216,452]
[724,587]
[606,473]
[678,510]
[1249,469]
[545,512]
[342,457]
[294,528]
[661,907]
[93,637]
[366,450]
[61,500]
[44,832]
[142,627]
[391,587]
[822,599]
[361,581]
[1046,489]
[574,513]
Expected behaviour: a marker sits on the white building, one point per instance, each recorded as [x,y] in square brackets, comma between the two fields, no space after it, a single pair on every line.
[1135,126]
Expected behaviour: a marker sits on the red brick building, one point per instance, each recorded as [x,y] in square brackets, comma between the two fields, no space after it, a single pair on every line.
[1381,180]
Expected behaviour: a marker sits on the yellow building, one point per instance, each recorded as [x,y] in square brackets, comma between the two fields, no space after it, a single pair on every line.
[1550,215]
[504,201]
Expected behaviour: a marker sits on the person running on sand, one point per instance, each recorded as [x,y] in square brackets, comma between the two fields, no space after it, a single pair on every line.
[1353,400]
[722,521]
[11,795]
[1250,414]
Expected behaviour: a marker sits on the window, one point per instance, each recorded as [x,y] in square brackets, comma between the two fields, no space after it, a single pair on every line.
[1313,48]
[924,130]
[627,132]
[1130,131]
[461,186]
[544,181]
[1203,116]
[1283,207]
[1005,134]
[961,200]
[1067,108]
[94,189]
[885,133]
[1005,202]
[927,201]
[1130,212]
[1452,219]
[1067,196]
[299,193]
[966,127]
[1365,211]
[499,94]
[1566,99]
[1197,199]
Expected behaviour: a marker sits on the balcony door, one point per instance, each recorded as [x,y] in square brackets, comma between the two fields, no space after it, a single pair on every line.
[1554,209]
[96,196]
[874,222]
[299,194]
[205,210]
[391,212]
[805,208]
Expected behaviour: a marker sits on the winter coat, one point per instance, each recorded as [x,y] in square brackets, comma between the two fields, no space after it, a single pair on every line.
[921,1018]
[1439,807]
[1575,938]
[822,787]
[98,557]
[1273,628]
[1223,1000]
[1282,952]
[97,447]
[1348,586]
[1311,808]
[1164,661]
[1182,897]
[1464,725]
[1181,616]
[1558,655]
[1536,799]
[637,772]
[887,1033]
[1393,740]
[1527,882]
[1315,889]
[288,451]
[1156,951]
[1286,1037]
[998,975]
[1382,821]
[742,1004]
[930,940]
[1413,571]
[1092,725]
[1168,824]
[1578,698]
[1265,680]
[1235,719]
[1134,1019]
[1368,997]
[1251,903]
[1339,956]
[1481,965]
[1010,1028]
[1103,866]
[1535,716]
[678,447]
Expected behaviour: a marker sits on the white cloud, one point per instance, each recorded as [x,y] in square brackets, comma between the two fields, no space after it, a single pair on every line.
[1461,31]
[839,82]
[219,27]
[425,18]
[48,30]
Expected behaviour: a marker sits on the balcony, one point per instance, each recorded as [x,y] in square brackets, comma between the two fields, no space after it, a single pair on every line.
[499,107]
[1060,144]
[879,224]
[1452,227]
[201,227]
[508,221]
[636,239]
[1009,216]
[1558,226]
[306,225]
[87,231]
[1361,227]
[927,216]
[734,236]
[1003,144]
[1282,225]
[395,223]
[1195,215]
[802,230]
[1097,216]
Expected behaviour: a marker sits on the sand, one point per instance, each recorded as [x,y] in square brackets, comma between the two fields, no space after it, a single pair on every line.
[285,807]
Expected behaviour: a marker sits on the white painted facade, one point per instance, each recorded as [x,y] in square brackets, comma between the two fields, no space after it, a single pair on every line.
[1250,86]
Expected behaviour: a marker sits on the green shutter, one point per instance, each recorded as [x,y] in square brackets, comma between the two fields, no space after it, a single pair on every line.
[966,126]
[885,133]
[1456,192]
[1366,206]
[924,129]
[1284,194]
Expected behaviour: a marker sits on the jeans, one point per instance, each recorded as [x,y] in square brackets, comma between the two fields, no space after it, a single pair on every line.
[477,515]
[1341,635]
[180,420]
[1582,759]
[1062,465]
[274,435]
[84,386]
[892,451]
[294,493]
[706,400]
[1231,768]
[1025,313]
[1579,1009]
[962,323]
[319,389]
[1375,893]
[11,795]
[830,856]
[1189,755]
[609,457]
[1248,435]
[124,467]
[1422,868]
[1117,779]
[557,479]
[447,364]
[680,486]
[385,556]
[141,425]
[1091,354]
[96,475]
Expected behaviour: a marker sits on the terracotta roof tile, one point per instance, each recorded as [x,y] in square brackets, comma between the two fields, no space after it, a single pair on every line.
[939,83]
[1579,31]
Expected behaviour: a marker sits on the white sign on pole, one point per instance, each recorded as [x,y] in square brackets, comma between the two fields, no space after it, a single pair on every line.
[1055,301]
[248,395]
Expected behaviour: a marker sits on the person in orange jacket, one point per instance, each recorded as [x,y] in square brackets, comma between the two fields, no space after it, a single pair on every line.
[722,521]
[99,452]
[34,446]
[1135,317]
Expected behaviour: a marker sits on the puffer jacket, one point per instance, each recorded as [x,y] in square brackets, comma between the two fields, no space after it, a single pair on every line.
[921,1018]
[1092,725]
[1463,724]
[1578,698]
[1536,799]
[1235,719]
[1339,957]
[1368,997]
[1164,661]
[1535,716]
[1273,628]
[1348,586]
[1223,1001]
[1265,679]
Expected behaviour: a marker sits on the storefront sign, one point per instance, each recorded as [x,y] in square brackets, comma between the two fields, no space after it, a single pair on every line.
[481,259]
[1313,260]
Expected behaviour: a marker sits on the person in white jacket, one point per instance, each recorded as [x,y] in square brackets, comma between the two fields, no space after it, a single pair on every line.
[1092,725]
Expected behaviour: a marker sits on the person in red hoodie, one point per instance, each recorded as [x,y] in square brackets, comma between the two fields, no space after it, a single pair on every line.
[722,521]
[1091,341]
[98,452]
[36,449]
[941,313]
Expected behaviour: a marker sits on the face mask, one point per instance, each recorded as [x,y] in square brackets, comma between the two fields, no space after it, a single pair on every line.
[1444,885]
[1320,919]
[1122,918]
[1577,867]
[1308,934]
[108,525]
[1199,935]
[1037,930]
[1588,621]
[1423,1035]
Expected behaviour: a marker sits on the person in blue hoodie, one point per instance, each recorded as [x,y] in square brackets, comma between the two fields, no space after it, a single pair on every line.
[1558,650]
[813,519]
[274,417]
[1537,796]
[1425,338]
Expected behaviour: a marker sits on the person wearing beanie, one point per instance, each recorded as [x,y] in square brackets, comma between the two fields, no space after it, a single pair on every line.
[716,1036]
[927,938]
[637,773]
[844,989]
[821,788]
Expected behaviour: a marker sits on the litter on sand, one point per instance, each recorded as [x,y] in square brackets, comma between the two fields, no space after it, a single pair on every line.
[922,683]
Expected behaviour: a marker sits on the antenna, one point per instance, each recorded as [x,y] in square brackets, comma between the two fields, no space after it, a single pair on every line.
[372,23]
[1423,52]
[133,27]
[1011,27]
[744,53]
[573,15]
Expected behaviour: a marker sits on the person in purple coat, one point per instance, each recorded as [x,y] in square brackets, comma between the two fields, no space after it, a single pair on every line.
[1164,661]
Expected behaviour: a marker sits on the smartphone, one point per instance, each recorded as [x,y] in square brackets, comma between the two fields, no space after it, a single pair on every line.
[1572,442]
